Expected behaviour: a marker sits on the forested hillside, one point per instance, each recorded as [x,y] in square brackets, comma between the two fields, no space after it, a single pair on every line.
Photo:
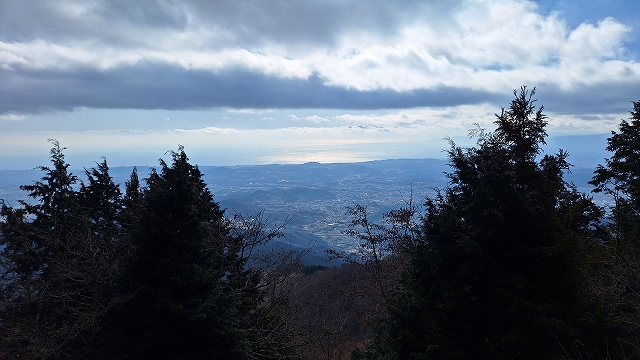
[507,260]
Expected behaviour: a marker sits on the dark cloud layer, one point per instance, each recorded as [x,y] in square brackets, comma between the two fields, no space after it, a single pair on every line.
[159,86]
[589,99]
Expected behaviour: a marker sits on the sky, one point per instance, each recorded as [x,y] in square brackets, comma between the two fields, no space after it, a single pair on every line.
[284,81]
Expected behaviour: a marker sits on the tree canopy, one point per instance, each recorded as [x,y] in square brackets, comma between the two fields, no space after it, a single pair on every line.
[498,269]
[158,272]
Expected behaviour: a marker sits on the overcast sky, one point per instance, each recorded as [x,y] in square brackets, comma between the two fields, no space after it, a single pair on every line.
[283,81]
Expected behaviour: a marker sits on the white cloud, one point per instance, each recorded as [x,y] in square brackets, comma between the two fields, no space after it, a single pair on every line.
[589,42]
[344,136]
[584,123]
[251,111]
[492,45]
[12,117]
[439,121]
[316,119]
[489,45]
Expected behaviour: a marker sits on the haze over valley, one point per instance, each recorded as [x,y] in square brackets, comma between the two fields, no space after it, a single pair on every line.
[312,198]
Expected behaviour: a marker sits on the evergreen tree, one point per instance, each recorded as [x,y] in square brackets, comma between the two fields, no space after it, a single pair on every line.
[620,176]
[57,272]
[132,200]
[49,219]
[183,306]
[158,273]
[619,279]
[497,271]
[101,202]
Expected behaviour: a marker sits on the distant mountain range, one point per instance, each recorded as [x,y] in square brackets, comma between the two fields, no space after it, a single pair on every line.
[311,197]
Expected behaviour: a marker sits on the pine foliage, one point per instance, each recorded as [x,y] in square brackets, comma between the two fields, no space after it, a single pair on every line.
[183,305]
[499,269]
[158,272]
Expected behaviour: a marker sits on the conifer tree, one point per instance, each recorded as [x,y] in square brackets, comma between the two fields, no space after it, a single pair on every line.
[183,305]
[619,177]
[101,202]
[51,217]
[132,200]
[158,273]
[56,270]
[497,271]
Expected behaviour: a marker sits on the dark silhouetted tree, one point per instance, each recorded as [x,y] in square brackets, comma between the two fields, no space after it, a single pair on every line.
[57,268]
[101,202]
[182,306]
[620,176]
[620,179]
[497,273]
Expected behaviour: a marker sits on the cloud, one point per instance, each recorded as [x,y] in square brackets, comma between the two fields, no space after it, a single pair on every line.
[216,23]
[343,136]
[597,98]
[316,119]
[251,111]
[352,54]
[12,117]
[160,86]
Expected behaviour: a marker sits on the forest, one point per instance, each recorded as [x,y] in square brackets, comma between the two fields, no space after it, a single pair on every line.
[508,261]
